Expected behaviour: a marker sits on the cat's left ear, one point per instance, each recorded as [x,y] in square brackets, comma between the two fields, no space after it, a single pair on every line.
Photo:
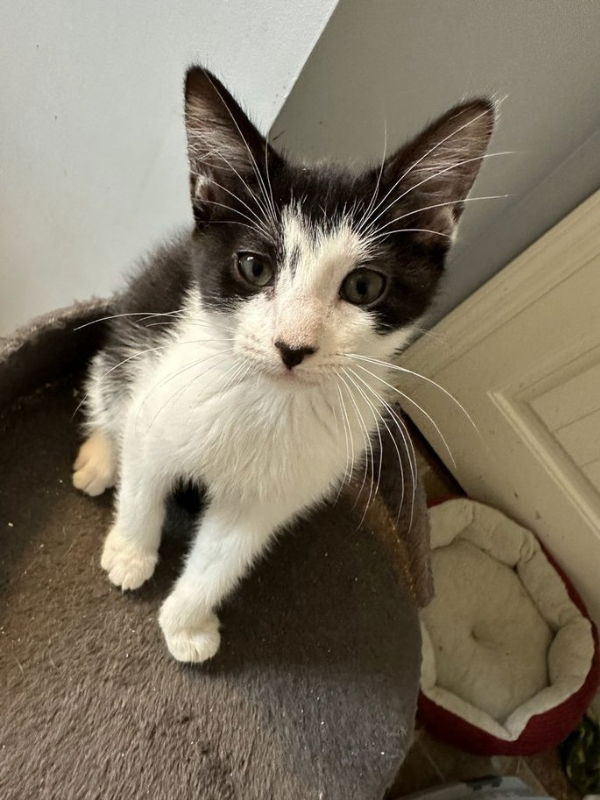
[435,172]
[225,150]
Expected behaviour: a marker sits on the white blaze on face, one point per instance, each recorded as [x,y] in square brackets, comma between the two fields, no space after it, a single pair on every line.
[316,261]
[306,310]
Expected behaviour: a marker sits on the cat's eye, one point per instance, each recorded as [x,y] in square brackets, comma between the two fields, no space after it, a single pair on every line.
[362,287]
[254,269]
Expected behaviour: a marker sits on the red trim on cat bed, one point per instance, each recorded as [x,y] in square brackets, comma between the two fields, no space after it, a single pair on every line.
[543,731]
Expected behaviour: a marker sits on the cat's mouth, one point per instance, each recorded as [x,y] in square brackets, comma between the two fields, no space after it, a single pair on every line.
[286,377]
[283,376]
[296,377]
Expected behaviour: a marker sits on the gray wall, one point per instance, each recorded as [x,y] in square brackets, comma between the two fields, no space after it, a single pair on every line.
[399,63]
[92,150]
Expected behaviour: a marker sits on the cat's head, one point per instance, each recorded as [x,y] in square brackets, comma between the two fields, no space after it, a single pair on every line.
[312,263]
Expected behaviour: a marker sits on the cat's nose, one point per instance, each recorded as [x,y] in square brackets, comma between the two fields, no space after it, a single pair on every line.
[292,356]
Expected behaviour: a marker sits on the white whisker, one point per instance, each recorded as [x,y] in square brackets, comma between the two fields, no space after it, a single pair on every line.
[379,231]
[373,200]
[382,233]
[143,314]
[369,447]
[417,375]
[243,138]
[343,423]
[255,221]
[363,429]
[423,157]
[393,439]
[349,469]
[167,380]
[349,374]
[410,451]
[268,179]
[414,403]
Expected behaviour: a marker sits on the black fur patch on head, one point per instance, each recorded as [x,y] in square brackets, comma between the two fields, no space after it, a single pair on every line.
[214,247]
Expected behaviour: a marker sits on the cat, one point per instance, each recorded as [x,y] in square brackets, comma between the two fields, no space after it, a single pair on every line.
[250,356]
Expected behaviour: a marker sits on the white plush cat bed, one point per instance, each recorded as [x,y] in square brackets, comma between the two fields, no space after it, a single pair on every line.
[510,658]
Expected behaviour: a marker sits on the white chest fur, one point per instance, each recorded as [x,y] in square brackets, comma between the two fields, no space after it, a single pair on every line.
[248,437]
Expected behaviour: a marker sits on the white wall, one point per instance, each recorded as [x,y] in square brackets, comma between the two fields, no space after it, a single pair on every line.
[402,62]
[92,154]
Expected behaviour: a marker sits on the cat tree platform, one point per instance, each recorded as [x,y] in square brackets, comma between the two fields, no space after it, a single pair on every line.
[312,694]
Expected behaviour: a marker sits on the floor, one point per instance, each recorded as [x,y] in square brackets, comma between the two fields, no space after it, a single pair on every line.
[429,762]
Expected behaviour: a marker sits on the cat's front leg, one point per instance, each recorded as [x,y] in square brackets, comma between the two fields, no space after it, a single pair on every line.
[130,550]
[227,543]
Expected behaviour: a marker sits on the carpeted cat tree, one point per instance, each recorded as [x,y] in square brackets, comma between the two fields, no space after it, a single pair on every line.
[313,692]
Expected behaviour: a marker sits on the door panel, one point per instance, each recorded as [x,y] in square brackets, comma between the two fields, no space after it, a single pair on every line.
[522,357]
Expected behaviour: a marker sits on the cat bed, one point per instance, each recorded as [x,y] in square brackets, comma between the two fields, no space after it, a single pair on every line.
[510,658]
[313,692]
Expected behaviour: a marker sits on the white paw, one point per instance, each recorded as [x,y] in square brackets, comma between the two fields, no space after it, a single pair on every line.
[94,469]
[128,565]
[193,642]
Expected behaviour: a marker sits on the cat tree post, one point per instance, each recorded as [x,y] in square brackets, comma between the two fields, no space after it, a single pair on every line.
[313,692]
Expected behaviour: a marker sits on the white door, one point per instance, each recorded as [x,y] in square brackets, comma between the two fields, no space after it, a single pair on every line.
[522,356]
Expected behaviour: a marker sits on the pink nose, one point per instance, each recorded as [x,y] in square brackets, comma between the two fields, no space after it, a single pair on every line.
[292,356]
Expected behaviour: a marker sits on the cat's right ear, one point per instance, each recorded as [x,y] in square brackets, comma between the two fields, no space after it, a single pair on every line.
[227,154]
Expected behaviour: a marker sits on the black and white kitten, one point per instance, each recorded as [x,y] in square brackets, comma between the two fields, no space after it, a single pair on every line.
[250,356]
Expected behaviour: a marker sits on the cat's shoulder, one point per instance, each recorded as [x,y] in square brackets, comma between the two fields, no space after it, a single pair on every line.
[155,292]
[160,280]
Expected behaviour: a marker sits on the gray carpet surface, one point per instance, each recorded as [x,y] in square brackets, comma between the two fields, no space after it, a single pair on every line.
[312,694]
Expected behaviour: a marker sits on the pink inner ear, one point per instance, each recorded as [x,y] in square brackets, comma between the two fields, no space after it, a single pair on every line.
[441,164]
[201,188]
[437,225]
[223,143]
